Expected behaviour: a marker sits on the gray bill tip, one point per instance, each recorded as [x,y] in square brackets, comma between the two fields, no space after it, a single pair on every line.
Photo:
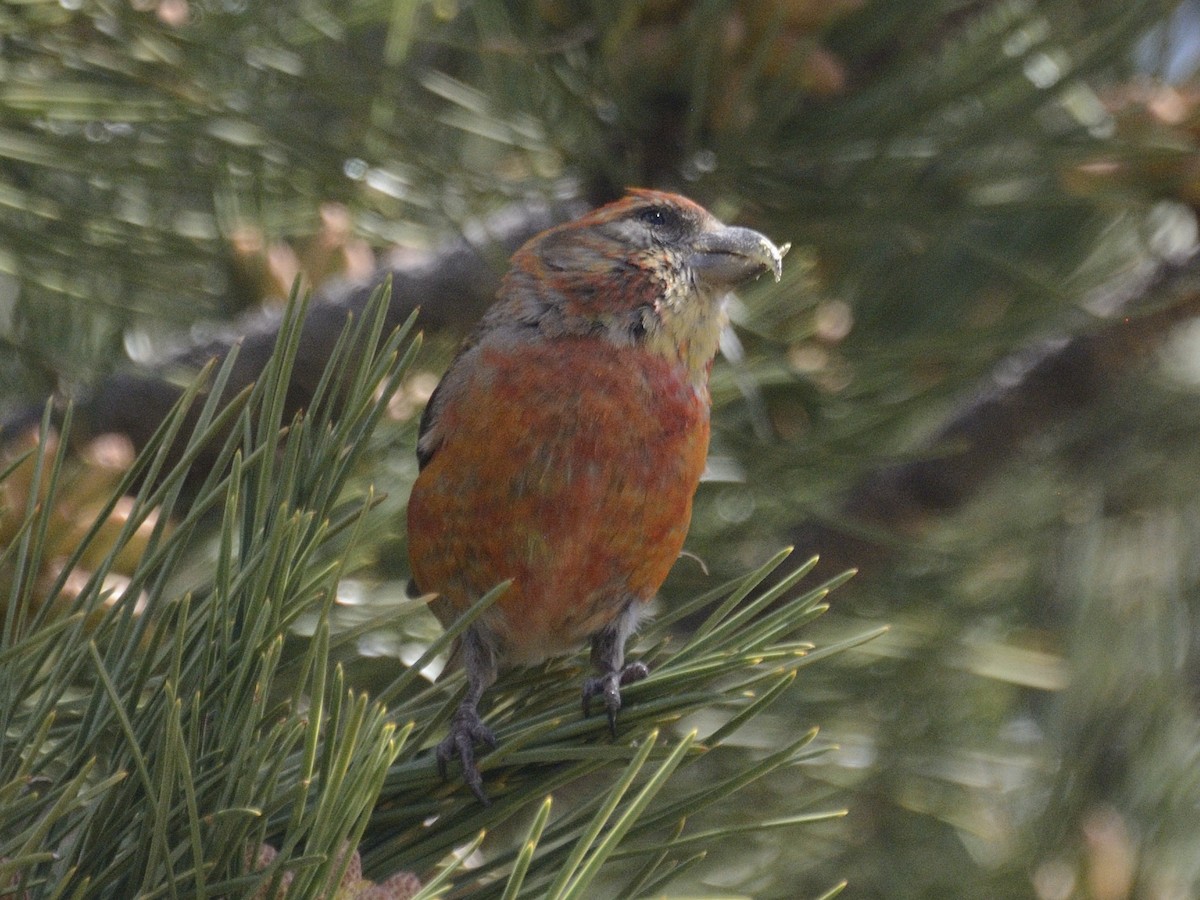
[777,254]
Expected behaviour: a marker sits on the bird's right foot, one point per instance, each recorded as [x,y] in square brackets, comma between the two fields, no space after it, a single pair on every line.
[466,730]
[608,686]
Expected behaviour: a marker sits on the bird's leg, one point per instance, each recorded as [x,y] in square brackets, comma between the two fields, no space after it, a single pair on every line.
[608,656]
[466,728]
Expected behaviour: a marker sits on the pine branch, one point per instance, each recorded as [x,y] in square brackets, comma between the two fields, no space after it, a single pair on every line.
[165,701]
[255,768]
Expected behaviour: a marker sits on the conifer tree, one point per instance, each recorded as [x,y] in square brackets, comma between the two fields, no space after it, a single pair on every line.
[976,382]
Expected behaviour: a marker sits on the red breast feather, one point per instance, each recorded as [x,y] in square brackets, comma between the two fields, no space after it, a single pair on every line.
[569,466]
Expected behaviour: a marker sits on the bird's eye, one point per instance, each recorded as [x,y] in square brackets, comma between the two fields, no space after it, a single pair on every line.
[660,218]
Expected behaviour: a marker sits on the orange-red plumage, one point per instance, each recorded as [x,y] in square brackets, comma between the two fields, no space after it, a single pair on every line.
[564,445]
[584,504]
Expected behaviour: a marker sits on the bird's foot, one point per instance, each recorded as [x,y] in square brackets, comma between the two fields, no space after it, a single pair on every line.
[466,730]
[609,687]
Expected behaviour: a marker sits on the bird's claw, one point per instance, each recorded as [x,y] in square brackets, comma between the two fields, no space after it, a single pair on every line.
[466,730]
[609,687]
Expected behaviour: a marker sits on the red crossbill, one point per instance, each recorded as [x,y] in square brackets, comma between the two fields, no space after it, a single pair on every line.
[564,444]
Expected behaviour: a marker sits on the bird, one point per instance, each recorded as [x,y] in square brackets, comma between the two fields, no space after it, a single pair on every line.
[563,446]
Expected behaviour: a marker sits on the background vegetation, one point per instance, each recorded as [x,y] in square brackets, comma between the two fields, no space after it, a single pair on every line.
[977,382]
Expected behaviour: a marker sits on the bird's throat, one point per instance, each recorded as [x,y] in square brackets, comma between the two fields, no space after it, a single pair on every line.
[689,333]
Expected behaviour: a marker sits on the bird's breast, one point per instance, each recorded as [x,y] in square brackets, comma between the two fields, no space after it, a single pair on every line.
[568,466]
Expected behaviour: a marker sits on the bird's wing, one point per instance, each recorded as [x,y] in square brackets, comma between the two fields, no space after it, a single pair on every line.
[429,433]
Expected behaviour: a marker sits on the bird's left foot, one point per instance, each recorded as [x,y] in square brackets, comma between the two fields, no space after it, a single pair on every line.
[466,730]
[609,687]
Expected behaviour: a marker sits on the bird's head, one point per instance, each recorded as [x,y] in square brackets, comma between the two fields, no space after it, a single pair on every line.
[651,270]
